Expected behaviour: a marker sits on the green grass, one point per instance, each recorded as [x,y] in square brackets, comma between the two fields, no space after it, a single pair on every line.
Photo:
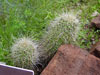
[20,18]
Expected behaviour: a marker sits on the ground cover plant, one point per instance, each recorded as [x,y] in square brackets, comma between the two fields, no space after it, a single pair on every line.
[29,18]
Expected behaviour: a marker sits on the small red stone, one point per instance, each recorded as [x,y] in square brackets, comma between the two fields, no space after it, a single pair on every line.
[96,22]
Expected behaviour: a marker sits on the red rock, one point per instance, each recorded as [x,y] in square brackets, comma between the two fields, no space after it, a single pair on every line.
[95,50]
[96,22]
[71,60]
[91,66]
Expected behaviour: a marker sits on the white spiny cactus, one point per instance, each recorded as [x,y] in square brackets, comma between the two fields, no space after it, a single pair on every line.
[24,53]
[63,30]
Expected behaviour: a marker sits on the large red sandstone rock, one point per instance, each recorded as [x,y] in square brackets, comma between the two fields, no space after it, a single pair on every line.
[96,22]
[71,60]
[95,50]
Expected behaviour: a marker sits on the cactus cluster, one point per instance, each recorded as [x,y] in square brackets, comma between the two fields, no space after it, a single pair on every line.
[24,53]
[62,30]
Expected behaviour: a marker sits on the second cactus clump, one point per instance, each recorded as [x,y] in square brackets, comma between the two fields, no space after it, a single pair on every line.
[63,30]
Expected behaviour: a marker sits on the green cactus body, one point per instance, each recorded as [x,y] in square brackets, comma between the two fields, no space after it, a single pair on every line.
[63,30]
[24,53]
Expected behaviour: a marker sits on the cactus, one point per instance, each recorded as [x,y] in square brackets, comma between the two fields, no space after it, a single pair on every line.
[24,53]
[63,30]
